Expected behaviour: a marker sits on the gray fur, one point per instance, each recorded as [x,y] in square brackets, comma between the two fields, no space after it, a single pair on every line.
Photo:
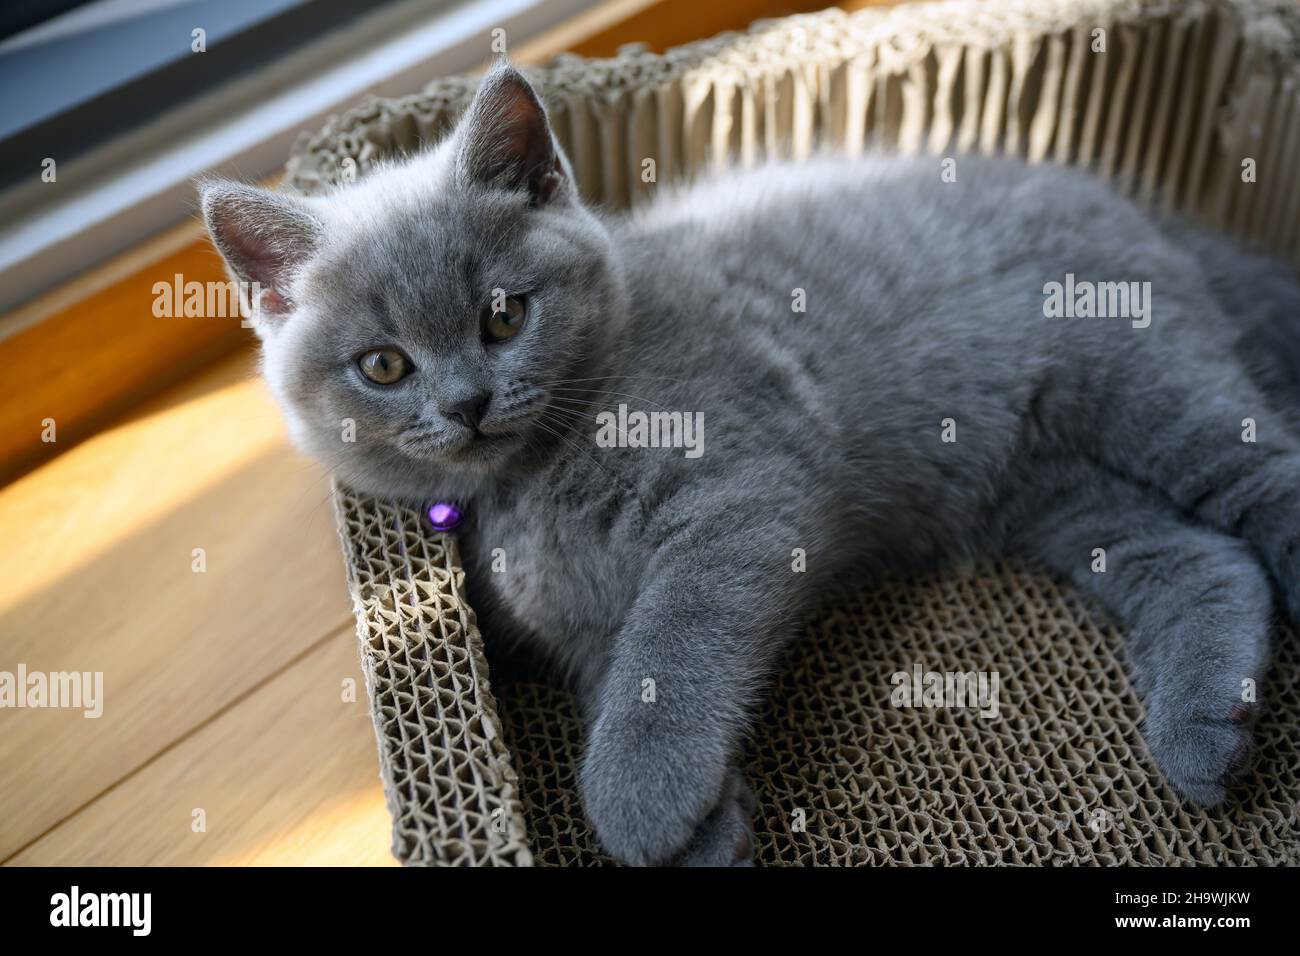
[823,428]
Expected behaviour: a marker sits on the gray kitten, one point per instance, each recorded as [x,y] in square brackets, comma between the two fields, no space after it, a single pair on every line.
[927,402]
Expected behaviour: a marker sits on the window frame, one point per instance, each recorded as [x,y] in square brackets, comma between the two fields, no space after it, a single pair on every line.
[138,185]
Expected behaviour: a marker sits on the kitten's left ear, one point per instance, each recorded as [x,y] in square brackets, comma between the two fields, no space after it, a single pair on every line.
[506,139]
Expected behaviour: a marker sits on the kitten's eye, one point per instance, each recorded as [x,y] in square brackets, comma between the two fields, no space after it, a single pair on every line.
[384,366]
[499,326]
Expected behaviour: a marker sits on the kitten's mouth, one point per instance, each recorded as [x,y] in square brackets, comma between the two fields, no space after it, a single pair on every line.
[480,447]
[467,449]
[475,446]
[475,449]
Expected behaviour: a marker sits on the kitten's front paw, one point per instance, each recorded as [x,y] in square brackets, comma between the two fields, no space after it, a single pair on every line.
[1203,745]
[726,835]
[646,802]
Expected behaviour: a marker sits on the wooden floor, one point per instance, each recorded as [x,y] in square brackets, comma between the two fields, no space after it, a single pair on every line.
[225,736]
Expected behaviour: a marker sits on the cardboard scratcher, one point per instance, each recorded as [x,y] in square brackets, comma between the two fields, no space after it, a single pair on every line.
[1182,97]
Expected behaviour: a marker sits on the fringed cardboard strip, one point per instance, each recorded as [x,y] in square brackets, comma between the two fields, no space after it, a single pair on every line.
[1111,85]
[451,789]
[1171,100]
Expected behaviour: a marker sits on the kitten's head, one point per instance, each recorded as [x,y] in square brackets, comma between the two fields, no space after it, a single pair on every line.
[415,324]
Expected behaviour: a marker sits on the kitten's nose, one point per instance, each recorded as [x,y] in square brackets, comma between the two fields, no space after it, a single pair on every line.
[469,411]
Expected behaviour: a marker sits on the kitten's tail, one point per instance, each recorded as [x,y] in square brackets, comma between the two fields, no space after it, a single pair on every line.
[1262,297]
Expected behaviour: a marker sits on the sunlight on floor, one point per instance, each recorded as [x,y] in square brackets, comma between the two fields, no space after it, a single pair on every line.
[67,514]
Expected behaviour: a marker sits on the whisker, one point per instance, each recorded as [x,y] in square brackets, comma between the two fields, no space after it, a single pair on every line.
[546,428]
[581,418]
[635,398]
[605,378]
[541,422]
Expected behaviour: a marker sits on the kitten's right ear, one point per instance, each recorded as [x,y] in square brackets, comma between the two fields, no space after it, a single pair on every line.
[264,237]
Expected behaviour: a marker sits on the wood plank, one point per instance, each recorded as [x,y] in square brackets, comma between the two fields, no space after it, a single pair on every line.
[97,575]
[287,777]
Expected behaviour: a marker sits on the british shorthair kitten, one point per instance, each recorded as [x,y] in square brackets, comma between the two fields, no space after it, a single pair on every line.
[853,357]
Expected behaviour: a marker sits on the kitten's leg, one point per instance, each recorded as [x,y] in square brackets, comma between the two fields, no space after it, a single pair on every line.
[723,838]
[1215,446]
[658,779]
[1196,605]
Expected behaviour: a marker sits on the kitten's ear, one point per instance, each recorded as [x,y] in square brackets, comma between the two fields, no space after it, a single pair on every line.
[264,237]
[506,139]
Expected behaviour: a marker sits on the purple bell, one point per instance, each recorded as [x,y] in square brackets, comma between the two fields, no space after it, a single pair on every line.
[444,516]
